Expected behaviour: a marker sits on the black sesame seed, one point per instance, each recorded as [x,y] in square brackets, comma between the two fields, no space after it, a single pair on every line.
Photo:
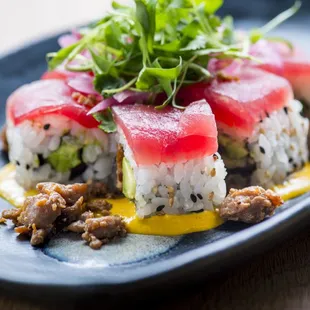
[17,163]
[290,160]
[193,198]
[198,211]
[199,196]
[159,208]
[77,171]
[261,121]
[41,160]
[285,110]
[267,114]
[27,166]
[295,166]
[46,126]
[262,149]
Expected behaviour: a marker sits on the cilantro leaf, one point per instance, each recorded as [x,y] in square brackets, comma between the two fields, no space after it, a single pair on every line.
[105,82]
[106,120]
[148,76]
[158,46]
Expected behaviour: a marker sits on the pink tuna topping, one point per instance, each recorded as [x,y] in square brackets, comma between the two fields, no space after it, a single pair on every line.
[47,97]
[292,65]
[239,104]
[168,135]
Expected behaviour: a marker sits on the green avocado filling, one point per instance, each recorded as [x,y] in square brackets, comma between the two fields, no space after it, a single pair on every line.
[129,182]
[233,149]
[66,156]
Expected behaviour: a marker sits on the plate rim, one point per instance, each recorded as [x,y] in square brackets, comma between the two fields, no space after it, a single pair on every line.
[250,239]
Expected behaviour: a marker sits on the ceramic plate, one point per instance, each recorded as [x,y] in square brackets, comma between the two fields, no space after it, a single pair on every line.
[138,261]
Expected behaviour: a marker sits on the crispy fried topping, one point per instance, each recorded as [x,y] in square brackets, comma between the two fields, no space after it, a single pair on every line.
[99,231]
[89,101]
[250,205]
[69,207]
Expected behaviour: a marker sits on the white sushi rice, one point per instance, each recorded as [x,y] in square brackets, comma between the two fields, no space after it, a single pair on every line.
[279,145]
[29,139]
[177,188]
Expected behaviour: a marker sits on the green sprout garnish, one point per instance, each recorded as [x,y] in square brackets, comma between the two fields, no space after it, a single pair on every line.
[159,45]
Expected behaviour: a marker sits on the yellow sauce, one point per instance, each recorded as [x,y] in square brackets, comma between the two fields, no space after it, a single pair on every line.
[169,225]
[296,185]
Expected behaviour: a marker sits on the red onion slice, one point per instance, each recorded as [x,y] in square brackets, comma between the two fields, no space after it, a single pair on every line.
[83,83]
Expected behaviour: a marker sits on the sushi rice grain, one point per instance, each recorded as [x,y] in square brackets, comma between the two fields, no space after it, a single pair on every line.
[177,188]
[31,143]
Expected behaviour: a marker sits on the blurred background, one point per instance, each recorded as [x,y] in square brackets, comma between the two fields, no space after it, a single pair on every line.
[22,21]
[265,9]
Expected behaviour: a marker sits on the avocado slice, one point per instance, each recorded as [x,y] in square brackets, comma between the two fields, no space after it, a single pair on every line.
[129,182]
[233,149]
[66,156]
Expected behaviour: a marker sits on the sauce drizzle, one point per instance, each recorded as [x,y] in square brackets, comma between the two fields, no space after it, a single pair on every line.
[169,225]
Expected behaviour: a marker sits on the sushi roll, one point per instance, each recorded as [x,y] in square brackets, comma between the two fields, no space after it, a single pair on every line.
[167,160]
[51,137]
[262,134]
[293,65]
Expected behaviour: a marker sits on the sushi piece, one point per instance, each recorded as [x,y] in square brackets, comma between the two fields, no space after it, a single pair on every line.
[262,135]
[167,159]
[293,65]
[297,72]
[51,137]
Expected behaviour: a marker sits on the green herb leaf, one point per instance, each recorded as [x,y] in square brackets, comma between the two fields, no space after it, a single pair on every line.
[119,6]
[106,120]
[159,46]
[281,40]
[151,7]
[103,82]
[173,46]
[199,42]
[56,59]
[282,17]
[120,89]
[142,16]
[228,33]
[102,65]
[191,30]
[211,6]
[148,76]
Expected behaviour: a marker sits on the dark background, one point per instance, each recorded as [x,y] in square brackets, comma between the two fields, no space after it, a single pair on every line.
[266,9]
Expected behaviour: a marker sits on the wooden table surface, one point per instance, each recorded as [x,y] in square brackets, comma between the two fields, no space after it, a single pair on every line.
[278,279]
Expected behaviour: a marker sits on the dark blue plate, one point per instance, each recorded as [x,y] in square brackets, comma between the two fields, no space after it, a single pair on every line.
[67,265]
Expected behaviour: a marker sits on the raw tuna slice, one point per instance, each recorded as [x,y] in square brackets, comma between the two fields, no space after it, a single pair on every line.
[292,65]
[297,72]
[168,135]
[241,103]
[47,97]
[54,75]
